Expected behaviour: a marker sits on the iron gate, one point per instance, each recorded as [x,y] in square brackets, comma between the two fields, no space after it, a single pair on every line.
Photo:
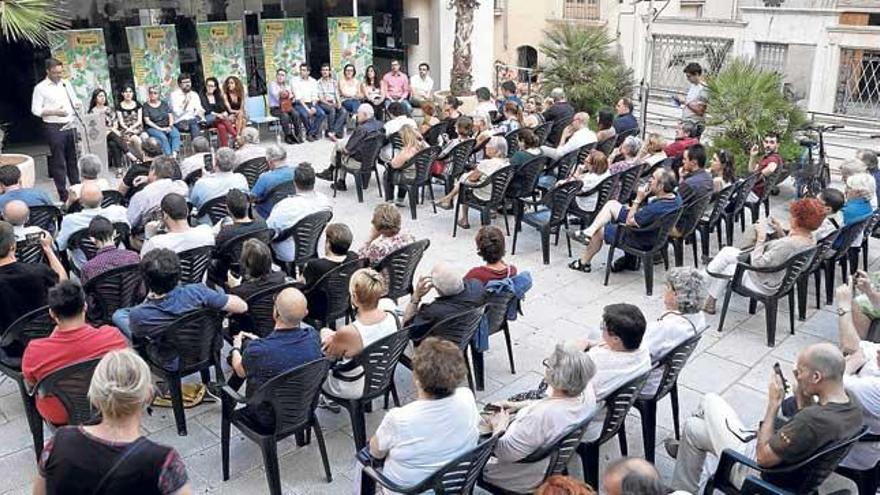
[771,56]
[858,83]
[672,52]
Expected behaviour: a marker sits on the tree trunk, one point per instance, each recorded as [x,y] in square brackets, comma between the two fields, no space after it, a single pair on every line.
[461,78]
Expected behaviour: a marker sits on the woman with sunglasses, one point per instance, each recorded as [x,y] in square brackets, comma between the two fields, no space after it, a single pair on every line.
[159,122]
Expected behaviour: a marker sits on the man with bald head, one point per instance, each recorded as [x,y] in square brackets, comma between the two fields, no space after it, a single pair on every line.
[16,212]
[576,135]
[627,475]
[291,344]
[827,413]
[90,199]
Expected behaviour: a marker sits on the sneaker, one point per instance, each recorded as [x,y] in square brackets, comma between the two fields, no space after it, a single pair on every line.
[326,174]
[671,446]
[331,406]
[400,202]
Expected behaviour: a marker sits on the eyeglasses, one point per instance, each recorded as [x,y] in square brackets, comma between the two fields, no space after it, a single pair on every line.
[546,363]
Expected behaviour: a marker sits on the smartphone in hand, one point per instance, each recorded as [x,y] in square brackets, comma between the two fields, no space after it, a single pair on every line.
[778,370]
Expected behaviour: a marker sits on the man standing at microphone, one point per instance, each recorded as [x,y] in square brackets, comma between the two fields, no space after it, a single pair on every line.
[52,101]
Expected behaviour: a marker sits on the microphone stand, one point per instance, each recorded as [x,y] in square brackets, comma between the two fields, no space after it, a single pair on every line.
[79,118]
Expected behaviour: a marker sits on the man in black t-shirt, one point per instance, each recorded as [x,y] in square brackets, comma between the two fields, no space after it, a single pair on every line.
[24,286]
[835,416]
[560,110]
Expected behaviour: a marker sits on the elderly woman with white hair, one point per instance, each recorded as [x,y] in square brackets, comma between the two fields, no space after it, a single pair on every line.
[248,142]
[496,158]
[112,456]
[570,399]
[454,295]
[861,198]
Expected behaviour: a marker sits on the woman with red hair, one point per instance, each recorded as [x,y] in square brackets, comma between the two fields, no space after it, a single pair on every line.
[805,216]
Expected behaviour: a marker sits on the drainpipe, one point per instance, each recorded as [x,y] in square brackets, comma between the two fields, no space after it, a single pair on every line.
[354,8]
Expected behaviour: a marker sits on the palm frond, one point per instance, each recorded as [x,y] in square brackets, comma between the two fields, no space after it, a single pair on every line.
[30,20]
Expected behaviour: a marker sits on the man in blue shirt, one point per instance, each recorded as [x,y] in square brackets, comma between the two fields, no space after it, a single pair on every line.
[625,119]
[291,344]
[10,187]
[218,183]
[604,226]
[280,172]
[508,93]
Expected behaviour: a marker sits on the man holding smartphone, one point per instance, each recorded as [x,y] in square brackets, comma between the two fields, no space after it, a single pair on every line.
[766,164]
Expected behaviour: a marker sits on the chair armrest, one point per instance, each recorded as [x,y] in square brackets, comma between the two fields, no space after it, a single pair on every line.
[368,461]
[476,185]
[730,458]
[227,391]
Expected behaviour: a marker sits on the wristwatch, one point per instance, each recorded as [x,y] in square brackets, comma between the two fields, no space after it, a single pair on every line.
[842,311]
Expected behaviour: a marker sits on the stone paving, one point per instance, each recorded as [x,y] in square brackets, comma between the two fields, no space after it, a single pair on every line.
[563,304]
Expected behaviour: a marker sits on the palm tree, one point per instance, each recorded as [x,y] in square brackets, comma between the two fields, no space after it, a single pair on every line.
[583,62]
[461,78]
[29,20]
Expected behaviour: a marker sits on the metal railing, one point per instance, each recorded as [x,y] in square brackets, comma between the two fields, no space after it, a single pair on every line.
[581,10]
[672,52]
[527,79]
[791,4]
[858,83]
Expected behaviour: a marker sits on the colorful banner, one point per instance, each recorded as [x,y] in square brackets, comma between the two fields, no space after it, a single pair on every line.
[221,46]
[284,45]
[84,57]
[351,42]
[154,58]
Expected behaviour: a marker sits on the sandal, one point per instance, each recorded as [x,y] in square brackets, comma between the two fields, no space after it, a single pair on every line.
[444,205]
[579,236]
[463,225]
[580,266]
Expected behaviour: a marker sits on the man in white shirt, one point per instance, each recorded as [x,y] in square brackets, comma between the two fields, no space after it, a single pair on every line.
[421,86]
[90,199]
[397,119]
[187,107]
[219,182]
[160,183]
[196,161]
[574,136]
[54,102]
[289,211]
[305,90]
[179,236]
[16,212]
[693,105]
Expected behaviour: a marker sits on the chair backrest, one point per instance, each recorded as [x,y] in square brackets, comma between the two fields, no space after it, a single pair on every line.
[543,131]
[70,385]
[606,146]
[396,141]
[215,209]
[625,134]
[626,181]
[512,139]
[824,248]
[192,177]
[371,146]
[525,179]
[460,475]
[806,476]
[618,404]
[120,287]
[34,324]
[500,180]
[193,264]
[555,134]
[459,328]
[720,201]
[256,107]
[661,227]
[848,235]
[192,340]
[306,234]
[560,449]
[230,249]
[400,267]
[433,135]
[82,241]
[260,310]
[30,252]
[871,224]
[293,395]
[421,162]
[280,191]
[741,193]
[252,169]
[672,364]
[459,155]
[378,361]
[757,486]
[795,266]
[559,199]
[565,164]
[692,212]
[584,152]
[45,217]
[496,309]
[334,287]
[602,191]
[111,197]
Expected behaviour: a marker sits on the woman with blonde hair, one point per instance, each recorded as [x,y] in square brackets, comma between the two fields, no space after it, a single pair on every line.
[652,150]
[371,324]
[112,456]
[412,144]
[593,171]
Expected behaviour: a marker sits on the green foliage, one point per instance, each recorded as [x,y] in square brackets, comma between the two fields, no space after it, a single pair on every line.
[583,62]
[29,20]
[747,103]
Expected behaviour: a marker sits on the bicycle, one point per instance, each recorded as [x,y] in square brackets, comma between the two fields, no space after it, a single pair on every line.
[813,175]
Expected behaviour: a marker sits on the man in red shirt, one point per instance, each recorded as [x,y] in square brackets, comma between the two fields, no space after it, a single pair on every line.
[766,165]
[72,341]
[686,135]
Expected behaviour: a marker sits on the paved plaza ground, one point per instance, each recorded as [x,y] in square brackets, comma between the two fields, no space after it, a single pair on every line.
[563,304]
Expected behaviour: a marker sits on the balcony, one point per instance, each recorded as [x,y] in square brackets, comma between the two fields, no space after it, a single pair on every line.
[581,10]
[791,4]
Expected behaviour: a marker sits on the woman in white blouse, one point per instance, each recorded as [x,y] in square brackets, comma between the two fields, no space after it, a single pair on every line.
[496,158]
[593,171]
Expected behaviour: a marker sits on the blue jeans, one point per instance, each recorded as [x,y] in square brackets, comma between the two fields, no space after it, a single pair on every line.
[169,141]
[351,105]
[192,126]
[312,123]
[407,107]
[336,118]
[122,320]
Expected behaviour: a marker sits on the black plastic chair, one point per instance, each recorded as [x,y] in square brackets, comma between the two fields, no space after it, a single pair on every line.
[692,211]
[606,146]
[551,218]
[369,150]
[557,452]
[432,136]
[870,227]
[824,248]
[396,142]
[120,287]
[512,139]
[602,191]
[867,480]
[70,385]
[458,476]
[707,225]
[555,134]
[30,252]
[111,197]
[558,170]
[803,477]
[498,180]
[332,289]
[521,190]
[627,181]
[421,163]
[793,268]
[399,267]
[215,209]
[279,192]
[306,234]
[35,324]
[194,263]
[259,318]
[496,312]
[839,255]
[543,132]
[193,177]
[736,205]
[617,405]
[228,253]
[660,227]
[770,182]
[46,217]
[583,153]
[670,366]
[459,329]
[252,169]
[457,162]
[293,397]
[757,486]
[621,136]
[190,344]
[82,241]
[377,362]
